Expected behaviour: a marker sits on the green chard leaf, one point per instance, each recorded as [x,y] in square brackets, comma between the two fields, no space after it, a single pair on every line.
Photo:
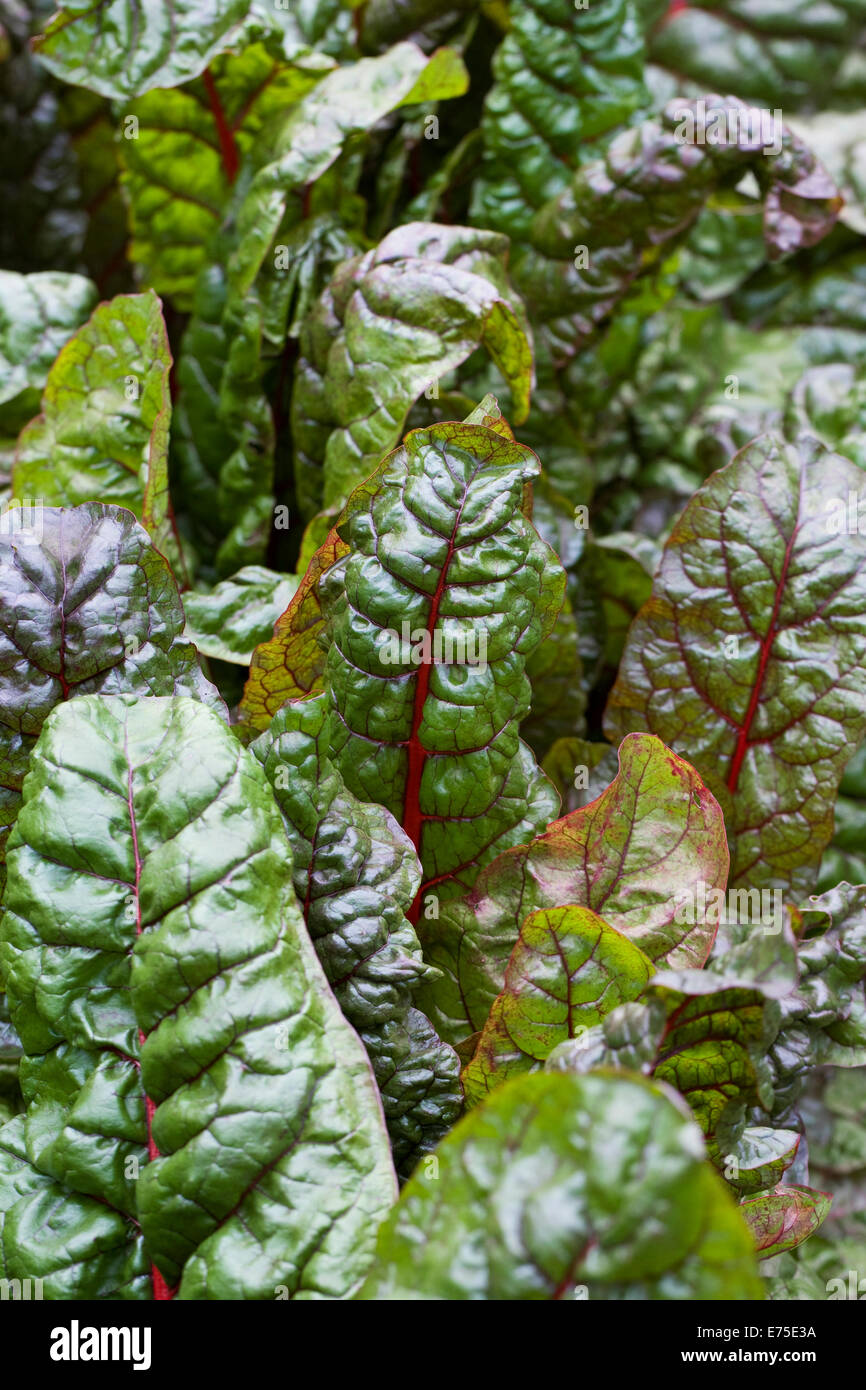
[445,591]
[563,78]
[105,418]
[238,614]
[223,432]
[291,664]
[121,51]
[663,174]
[346,103]
[712,1050]
[173,1013]
[824,1017]
[651,839]
[796,58]
[226,433]
[356,875]
[42,226]
[38,315]
[86,605]
[748,657]
[563,1187]
[390,325]
[189,146]
[762,1157]
[568,969]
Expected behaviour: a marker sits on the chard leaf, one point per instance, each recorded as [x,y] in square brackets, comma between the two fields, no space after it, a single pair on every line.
[105,418]
[761,1158]
[664,181]
[388,328]
[347,102]
[88,605]
[428,726]
[707,1039]
[223,434]
[561,1187]
[121,51]
[619,570]
[580,770]
[796,59]
[38,314]
[238,614]
[43,225]
[292,663]
[655,834]
[829,402]
[189,147]
[356,875]
[568,969]
[173,1011]
[747,659]
[563,78]
[783,1219]
[824,1018]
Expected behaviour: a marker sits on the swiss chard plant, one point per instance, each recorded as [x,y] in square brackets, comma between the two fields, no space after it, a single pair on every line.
[432,617]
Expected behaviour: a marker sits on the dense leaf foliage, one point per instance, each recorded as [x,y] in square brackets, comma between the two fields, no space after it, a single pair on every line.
[432,609]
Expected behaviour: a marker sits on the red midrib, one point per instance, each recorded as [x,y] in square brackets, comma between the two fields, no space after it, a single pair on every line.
[161,1290]
[413,818]
[766,647]
[225,134]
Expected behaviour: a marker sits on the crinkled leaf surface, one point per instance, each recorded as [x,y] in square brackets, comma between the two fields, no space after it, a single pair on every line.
[173,1010]
[824,1017]
[748,657]
[829,402]
[649,188]
[103,431]
[558,1182]
[239,613]
[568,969]
[555,672]
[427,725]
[563,78]
[707,1039]
[347,102]
[711,1050]
[121,50]
[356,874]
[44,225]
[389,326]
[223,431]
[187,153]
[87,606]
[656,832]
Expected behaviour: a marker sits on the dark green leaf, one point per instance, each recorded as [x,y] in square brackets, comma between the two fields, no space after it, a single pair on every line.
[194,1097]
